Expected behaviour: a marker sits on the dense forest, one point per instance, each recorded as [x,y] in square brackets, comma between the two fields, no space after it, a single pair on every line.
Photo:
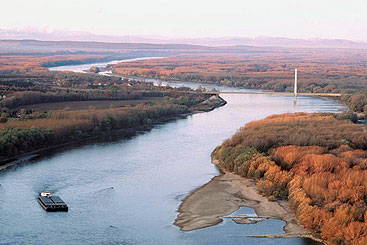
[318,162]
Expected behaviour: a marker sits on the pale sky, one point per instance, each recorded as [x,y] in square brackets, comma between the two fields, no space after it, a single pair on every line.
[345,19]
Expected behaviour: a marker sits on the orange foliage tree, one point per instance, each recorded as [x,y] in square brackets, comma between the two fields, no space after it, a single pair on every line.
[323,175]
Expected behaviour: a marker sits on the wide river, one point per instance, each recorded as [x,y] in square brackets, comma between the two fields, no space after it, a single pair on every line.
[128,191]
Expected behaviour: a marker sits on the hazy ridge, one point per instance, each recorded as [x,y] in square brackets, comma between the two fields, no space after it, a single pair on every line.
[6,34]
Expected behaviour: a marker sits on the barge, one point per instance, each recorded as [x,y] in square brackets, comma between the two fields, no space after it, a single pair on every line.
[52,203]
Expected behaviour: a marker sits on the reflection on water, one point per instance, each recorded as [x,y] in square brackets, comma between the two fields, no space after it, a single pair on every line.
[128,191]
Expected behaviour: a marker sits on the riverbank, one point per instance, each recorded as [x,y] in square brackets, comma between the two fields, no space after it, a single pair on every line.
[223,195]
[206,106]
[303,169]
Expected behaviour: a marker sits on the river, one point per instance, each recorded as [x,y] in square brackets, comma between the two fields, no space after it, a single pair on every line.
[84,67]
[128,191]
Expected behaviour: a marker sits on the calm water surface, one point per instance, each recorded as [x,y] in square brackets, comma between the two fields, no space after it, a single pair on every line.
[127,192]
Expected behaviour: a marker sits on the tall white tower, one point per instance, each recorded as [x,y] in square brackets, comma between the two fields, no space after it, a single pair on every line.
[295,82]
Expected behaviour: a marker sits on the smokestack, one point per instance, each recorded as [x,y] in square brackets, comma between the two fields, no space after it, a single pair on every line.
[295,82]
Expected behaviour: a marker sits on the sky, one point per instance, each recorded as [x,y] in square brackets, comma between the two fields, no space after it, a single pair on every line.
[192,18]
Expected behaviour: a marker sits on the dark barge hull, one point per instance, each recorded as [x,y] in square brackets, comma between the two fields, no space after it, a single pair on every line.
[52,204]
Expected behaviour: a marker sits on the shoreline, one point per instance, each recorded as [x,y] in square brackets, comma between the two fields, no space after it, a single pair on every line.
[224,194]
[121,133]
[92,61]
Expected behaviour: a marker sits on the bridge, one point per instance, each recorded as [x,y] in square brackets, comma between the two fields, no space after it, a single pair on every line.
[275,93]
[295,93]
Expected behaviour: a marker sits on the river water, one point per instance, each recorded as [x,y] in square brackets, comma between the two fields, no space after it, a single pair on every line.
[128,191]
[84,67]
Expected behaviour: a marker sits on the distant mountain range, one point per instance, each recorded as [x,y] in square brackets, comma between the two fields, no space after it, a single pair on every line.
[31,46]
[220,41]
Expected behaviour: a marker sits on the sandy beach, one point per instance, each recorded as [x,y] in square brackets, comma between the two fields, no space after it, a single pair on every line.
[224,194]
